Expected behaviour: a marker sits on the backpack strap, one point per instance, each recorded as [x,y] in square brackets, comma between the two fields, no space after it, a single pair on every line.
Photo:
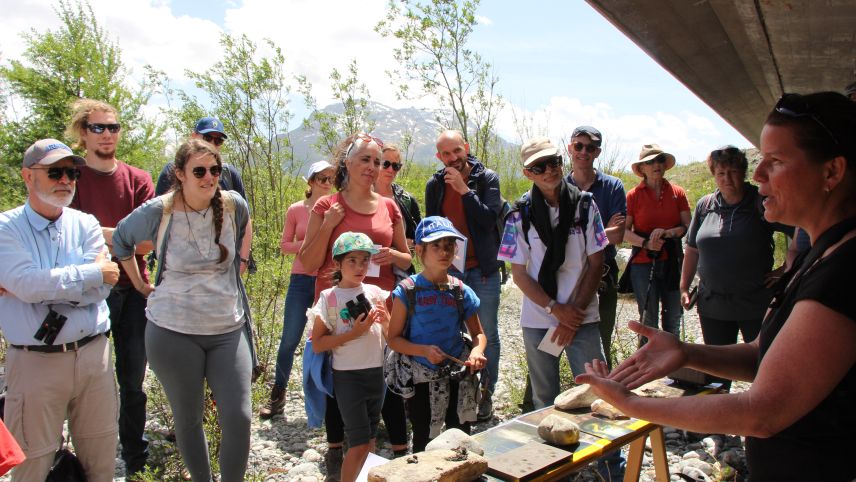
[582,222]
[458,294]
[409,288]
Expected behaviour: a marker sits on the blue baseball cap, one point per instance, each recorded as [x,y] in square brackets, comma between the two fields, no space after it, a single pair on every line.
[433,228]
[207,125]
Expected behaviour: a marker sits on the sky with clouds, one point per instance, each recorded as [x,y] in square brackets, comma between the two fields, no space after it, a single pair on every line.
[560,64]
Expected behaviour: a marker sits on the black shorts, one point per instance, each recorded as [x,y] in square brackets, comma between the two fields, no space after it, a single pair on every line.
[359,394]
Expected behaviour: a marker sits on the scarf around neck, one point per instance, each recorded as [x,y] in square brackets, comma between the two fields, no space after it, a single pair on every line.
[556,238]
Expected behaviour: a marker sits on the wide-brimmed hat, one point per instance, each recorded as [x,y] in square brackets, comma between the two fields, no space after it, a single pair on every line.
[648,152]
[537,148]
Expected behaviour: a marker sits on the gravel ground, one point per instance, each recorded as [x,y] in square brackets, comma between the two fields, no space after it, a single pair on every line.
[284,449]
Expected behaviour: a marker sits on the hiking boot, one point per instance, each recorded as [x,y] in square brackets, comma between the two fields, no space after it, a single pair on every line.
[333,462]
[275,405]
[485,412]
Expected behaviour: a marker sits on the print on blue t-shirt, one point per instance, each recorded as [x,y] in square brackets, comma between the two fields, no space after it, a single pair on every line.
[435,318]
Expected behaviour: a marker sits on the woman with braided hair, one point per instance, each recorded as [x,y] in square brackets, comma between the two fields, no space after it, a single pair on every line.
[198,310]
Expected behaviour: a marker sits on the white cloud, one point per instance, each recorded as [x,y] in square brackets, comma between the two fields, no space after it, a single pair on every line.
[482,20]
[688,136]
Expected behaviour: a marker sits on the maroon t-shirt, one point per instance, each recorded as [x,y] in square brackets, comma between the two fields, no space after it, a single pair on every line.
[112,196]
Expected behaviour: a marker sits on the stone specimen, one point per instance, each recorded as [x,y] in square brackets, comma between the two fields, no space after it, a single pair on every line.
[434,465]
[605,409]
[455,438]
[558,430]
[580,396]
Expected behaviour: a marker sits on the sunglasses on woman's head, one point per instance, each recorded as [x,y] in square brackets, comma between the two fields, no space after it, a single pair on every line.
[56,173]
[724,153]
[661,159]
[199,171]
[364,137]
[794,105]
[216,140]
[99,128]
[396,166]
[541,167]
[579,146]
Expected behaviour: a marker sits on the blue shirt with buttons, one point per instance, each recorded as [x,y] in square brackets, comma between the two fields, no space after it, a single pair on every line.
[608,194]
[48,264]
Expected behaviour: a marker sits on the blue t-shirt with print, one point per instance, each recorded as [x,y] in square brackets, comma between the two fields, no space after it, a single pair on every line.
[435,318]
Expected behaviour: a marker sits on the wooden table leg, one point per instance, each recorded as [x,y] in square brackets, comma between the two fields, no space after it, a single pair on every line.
[634,460]
[658,451]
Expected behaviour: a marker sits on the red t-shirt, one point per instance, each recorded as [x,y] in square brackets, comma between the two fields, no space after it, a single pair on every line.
[650,212]
[377,226]
[453,208]
[112,196]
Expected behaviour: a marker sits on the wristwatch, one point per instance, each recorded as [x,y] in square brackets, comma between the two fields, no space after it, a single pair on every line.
[549,307]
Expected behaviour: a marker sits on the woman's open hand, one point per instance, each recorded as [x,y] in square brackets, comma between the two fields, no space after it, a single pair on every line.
[662,355]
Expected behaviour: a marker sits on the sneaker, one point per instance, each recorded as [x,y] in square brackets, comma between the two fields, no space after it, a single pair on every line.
[275,404]
[485,412]
[333,463]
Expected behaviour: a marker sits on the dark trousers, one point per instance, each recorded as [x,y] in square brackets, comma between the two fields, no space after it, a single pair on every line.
[419,409]
[724,332]
[392,412]
[128,330]
[607,305]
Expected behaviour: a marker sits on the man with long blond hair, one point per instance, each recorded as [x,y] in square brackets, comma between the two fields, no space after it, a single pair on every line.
[110,189]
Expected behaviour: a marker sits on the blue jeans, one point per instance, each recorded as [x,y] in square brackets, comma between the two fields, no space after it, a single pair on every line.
[128,330]
[301,293]
[670,299]
[544,367]
[487,289]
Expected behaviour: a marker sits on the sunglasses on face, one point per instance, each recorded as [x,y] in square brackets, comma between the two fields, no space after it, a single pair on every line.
[216,140]
[99,128]
[323,179]
[541,167]
[199,171]
[396,166]
[579,146]
[661,159]
[793,105]
[56,173]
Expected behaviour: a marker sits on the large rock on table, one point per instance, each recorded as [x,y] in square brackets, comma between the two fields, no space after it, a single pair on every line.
[581,396]
[558,430]
[434,465]
[454,439]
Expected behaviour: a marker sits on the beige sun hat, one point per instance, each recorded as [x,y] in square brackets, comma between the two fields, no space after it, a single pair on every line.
[650,151]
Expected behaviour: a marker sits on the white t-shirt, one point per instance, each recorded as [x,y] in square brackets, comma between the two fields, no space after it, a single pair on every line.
[363,352]
[579,246]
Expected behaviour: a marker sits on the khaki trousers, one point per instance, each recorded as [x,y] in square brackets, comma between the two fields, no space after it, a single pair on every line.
[43,388]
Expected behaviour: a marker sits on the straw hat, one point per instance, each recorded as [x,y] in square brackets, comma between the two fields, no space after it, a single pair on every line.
[650,151]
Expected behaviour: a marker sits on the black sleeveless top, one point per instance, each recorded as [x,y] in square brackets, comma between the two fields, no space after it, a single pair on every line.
[822,444]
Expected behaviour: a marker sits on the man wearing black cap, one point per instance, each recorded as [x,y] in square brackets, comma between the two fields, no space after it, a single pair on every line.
[210,130]
[608,194]
[55,275]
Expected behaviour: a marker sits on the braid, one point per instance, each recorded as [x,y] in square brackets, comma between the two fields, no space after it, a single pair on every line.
[217,208]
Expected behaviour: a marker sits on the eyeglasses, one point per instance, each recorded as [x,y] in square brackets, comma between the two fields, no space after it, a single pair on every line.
[793,105]
[363,137]
[99,128]
[396,166]
[216,140]
[541,167]
[323,179]
[579,146]
[199,171]
[56,173]
[660,159]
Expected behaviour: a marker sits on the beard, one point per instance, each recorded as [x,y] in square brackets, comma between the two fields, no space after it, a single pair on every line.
[105,153]
[55,199]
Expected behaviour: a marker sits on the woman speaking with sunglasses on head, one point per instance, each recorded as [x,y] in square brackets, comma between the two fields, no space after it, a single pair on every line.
[658,215]
[301,285]
[358,208]
[386,187]
[199,312]
[797,415]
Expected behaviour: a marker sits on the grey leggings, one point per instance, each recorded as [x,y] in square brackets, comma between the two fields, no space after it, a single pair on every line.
[181,363]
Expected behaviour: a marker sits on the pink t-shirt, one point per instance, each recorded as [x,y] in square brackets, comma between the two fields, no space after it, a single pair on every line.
[377,226]
[293,233]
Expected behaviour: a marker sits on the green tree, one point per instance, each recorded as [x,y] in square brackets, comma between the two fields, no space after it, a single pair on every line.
[434,54]
[59,66]
[332,127]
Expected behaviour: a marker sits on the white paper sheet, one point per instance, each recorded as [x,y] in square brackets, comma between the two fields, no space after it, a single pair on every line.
[548,346]
[460,260]
[374,269]
[372,460]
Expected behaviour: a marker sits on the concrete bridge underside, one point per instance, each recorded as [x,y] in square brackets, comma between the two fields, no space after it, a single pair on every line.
[740,56]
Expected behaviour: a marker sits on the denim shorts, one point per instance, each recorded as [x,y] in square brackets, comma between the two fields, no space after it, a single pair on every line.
[359,394]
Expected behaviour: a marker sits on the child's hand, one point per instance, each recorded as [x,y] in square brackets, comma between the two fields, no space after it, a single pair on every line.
[362,324]
[380,316]
[434,354]
[476,360]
